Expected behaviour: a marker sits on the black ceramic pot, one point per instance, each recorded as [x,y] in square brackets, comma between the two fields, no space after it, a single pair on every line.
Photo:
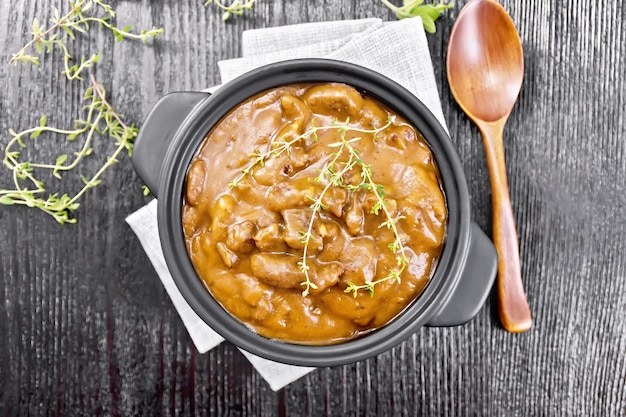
[175,129]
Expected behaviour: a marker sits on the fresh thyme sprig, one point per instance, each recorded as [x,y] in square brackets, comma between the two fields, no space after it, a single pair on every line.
[391,223]
[343,160]
[237,7]
[259,158]
[284,146]
[100,118]
[367,183]
[410,8]
[64,29]
[29,191]
[334,178]
[428,12]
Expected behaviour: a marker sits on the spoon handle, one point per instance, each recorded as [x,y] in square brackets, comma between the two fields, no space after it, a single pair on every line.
[512,304]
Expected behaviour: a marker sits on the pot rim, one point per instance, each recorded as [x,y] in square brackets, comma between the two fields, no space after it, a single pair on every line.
[190,136]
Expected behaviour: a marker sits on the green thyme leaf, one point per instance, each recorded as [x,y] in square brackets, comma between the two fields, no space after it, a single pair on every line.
[6,200]
[413,8]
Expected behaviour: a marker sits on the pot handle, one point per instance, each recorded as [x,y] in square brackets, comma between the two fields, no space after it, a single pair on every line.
[157,132]
[474,285]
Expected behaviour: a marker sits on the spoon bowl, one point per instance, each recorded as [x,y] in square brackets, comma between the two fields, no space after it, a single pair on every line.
[485,67]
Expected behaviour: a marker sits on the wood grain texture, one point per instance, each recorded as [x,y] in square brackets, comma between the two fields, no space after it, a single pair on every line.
[87,328]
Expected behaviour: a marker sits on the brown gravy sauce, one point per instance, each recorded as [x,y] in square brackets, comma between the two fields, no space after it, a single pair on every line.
[245,242]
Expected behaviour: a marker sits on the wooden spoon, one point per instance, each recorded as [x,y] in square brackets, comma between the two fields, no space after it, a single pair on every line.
[485,72]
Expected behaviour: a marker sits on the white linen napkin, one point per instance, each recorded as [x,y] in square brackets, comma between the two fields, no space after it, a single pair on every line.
[397,49]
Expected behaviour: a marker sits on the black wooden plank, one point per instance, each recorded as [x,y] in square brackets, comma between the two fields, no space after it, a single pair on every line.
[89,330]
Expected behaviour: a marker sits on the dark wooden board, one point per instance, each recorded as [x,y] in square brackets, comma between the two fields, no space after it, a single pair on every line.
[87,328]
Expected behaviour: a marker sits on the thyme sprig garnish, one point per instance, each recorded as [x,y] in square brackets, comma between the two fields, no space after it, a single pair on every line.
[30,191]
[391,223]
[237,7]
[333,173]
[428,12]
[100,120]
[64,29]
[344,159]
[410,8]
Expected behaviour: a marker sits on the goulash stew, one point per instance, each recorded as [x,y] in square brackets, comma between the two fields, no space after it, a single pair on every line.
[314,213]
